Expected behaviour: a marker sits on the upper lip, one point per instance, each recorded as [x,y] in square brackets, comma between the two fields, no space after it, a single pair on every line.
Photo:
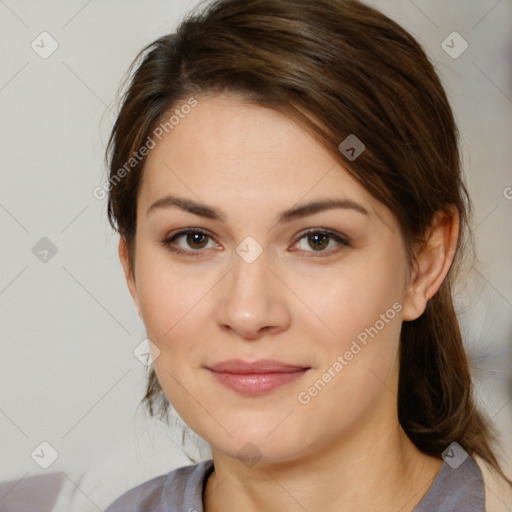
[260,366]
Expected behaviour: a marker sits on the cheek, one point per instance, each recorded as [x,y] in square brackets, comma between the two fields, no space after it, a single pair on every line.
[169,306]
[167,295]
[342,303]
[175,309]
[355,356]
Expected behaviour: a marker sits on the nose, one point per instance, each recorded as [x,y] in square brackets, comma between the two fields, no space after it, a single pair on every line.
[252,300]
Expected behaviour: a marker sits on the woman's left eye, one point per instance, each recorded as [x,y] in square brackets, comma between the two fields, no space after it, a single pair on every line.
[319,240]
[195,240]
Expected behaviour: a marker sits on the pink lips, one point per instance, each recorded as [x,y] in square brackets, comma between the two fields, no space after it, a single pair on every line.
[256,378]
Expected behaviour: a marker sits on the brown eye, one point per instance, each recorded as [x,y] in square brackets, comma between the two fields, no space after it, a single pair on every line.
[318,241]
[197,240]
[189,242]
[321,242]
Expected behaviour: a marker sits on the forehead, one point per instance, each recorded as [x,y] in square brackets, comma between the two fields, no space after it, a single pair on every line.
[228,152]
[227,134]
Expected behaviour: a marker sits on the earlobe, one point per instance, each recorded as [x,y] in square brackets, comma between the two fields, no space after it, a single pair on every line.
[128,274]
[433,261]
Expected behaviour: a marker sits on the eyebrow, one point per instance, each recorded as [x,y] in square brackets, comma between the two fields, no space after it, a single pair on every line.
[293,213]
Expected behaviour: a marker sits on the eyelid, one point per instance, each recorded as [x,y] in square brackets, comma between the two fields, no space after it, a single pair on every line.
[324,231]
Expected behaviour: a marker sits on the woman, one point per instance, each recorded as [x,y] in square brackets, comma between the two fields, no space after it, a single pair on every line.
[286,183]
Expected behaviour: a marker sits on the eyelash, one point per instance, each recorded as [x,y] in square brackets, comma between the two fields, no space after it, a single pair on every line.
[167,243]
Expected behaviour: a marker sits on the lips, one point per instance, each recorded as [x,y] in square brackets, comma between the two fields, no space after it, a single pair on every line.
[258,377]
[262,366]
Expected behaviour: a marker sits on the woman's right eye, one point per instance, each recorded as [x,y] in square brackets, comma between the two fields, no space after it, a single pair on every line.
[195,240]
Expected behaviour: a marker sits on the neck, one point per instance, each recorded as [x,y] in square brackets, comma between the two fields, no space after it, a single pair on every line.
[363,472]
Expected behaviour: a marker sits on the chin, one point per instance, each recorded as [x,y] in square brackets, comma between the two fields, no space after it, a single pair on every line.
[265,442]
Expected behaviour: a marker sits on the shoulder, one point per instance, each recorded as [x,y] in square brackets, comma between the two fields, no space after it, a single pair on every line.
[169,493]
[498,492]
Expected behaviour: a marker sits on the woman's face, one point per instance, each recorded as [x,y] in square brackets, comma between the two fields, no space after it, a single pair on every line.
[268,277]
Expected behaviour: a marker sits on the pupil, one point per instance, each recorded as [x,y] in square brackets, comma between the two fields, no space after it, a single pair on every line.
[324,240]
[194,239]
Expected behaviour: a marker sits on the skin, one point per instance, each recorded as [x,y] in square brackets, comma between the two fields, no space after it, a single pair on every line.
[345,449]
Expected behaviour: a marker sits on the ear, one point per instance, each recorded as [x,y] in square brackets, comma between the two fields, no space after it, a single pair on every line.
[433,261]
[128,274]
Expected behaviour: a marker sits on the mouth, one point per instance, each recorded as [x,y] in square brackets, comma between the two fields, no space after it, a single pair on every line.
[258,377]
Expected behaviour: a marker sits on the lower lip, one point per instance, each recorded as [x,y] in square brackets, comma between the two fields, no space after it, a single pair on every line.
[257,383]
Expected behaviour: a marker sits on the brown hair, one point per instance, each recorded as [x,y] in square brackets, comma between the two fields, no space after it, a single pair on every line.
[337,67]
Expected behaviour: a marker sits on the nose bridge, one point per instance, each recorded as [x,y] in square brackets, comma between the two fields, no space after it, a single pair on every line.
[250,276]
[252,300]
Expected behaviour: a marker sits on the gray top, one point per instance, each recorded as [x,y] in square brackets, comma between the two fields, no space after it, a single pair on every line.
[458,489]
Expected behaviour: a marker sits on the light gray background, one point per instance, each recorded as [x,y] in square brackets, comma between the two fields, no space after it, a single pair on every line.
[68,375]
